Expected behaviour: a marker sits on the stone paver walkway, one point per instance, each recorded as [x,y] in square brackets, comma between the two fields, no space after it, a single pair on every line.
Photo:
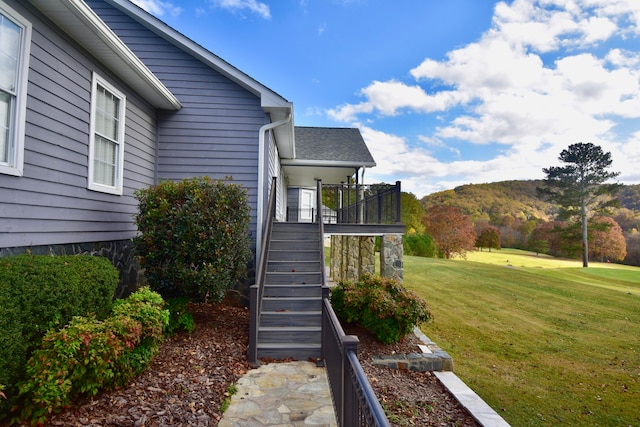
[288,394]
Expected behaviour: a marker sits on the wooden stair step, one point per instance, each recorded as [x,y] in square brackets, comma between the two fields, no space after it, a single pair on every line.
[290,318]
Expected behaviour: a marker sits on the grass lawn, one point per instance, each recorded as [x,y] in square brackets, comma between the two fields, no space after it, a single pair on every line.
[545,342]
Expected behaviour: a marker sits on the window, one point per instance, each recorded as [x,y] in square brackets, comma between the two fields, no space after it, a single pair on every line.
[15,38]
[106,145]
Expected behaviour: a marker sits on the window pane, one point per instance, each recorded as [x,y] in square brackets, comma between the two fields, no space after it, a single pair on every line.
[5,119]
[107,114]
[104,162]
[10,35]
[107,141]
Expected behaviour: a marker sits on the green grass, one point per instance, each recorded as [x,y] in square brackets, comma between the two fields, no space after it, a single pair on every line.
[545,342]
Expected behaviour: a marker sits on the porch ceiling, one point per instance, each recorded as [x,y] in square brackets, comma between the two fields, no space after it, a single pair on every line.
[306,175]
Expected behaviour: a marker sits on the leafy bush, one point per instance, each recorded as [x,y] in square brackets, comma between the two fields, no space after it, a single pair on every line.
[89,355]
[381,305]
[179,318]
[420,245]
[38,292]
[194,238]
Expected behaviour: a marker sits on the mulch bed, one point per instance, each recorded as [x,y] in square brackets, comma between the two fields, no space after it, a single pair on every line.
[189,378]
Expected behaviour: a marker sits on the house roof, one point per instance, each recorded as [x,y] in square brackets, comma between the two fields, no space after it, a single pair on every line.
[82,24]
[330,154]
[337,145]
[272,103]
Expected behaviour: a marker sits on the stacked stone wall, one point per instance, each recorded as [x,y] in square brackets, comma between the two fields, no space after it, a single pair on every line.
[353,256]
[120,253]
[391,253]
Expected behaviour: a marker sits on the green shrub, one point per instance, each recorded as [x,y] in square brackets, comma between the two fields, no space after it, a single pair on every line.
[38,292]
[420,245]
[179,318]
[89,355]
[381,305]
[194,238]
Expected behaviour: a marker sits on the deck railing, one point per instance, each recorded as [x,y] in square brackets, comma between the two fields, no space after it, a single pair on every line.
[354,400]
[256,290]
[354,204]
[350,203]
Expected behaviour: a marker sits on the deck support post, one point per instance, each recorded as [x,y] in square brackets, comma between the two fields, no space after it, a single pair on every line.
[391,253]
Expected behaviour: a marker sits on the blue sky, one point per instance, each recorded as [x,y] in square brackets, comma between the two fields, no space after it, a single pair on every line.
[445,93]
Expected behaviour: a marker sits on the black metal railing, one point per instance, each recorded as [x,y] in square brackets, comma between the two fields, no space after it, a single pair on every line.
[320,222]
[256,290]
[354,400]
[350,203]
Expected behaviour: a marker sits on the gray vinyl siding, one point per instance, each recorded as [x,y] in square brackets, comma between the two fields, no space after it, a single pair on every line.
[216,131]
[275,170]
[50,204]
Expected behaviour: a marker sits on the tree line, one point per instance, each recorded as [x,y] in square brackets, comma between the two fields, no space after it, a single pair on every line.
[574,212]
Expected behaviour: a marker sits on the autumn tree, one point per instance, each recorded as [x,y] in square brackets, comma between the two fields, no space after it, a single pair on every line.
[633,248]
[412,213]
[548,237]
[580,187]
[488,237]
[628,220]
[629,197]
[452,231]
[607,239]
[539,240]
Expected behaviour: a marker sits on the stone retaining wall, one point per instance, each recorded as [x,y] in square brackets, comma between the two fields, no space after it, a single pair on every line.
[431,358]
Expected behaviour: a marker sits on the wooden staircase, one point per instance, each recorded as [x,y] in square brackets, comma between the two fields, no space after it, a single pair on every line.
[290,322]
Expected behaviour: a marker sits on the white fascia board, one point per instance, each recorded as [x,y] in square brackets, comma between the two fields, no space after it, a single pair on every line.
[326,163]
[268,98]
[80,22]
[284,135]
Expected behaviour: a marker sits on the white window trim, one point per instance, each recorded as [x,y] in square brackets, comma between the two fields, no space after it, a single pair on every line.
[117,189]
[15,165]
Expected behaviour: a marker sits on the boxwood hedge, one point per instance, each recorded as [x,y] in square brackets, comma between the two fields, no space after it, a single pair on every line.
[40,292]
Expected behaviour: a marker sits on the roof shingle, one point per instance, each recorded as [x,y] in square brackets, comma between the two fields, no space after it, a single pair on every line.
[332,144]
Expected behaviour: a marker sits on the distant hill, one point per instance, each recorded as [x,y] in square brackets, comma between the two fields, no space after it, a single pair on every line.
[495,200]
[515,198]
[629,197]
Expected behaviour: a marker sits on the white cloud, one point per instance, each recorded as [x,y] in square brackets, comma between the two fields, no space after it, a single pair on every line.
[506,88]
[630,151]
[623,58]
[158,7]
[598,29]
[253,6]
[348,112]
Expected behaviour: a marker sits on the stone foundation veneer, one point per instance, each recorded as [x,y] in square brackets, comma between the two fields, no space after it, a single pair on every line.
[354,256]
[391,252]
[120,253]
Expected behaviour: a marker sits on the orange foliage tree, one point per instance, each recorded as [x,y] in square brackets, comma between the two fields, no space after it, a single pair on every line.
[606,239]
[452,231]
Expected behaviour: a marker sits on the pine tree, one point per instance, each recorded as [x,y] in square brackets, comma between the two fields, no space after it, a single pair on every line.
[580,187]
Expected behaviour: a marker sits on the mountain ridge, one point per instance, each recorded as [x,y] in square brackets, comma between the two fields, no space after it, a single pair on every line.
[516,198]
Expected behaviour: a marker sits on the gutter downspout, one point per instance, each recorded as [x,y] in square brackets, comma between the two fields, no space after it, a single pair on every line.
[261,179]
[362,190]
